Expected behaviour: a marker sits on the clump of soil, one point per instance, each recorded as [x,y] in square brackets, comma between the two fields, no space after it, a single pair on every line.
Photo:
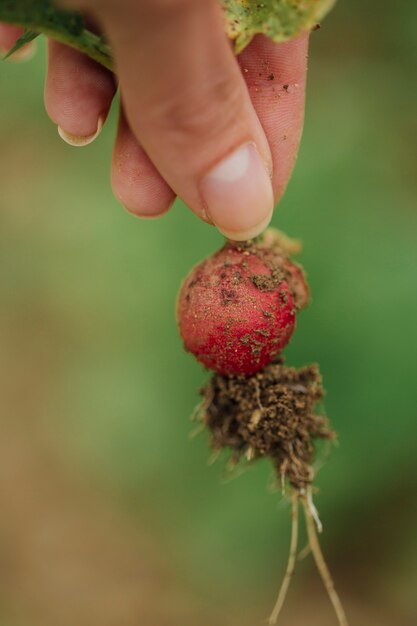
[274,413]
[269,414]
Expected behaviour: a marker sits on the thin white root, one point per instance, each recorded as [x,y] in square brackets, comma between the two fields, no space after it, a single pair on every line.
[283,473]
[292,558]
[314,512]
[321,563]
[304,552]
[197,411]
[213,457]
[196,431]
[250,454]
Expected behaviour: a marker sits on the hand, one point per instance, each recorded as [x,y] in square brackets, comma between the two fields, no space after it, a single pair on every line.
[220,132]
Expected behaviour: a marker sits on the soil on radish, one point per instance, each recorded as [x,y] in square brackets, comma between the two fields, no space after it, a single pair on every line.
[275,413]
[270,414]
[236,309]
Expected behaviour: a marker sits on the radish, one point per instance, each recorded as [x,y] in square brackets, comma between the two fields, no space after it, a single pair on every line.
[236,309]
[236,312]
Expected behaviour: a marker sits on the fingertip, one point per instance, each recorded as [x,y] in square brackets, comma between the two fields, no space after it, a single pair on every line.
[251,233]
[238,194]
[147,209]
[135,181]
[80,141]
[146,197]
[78,94]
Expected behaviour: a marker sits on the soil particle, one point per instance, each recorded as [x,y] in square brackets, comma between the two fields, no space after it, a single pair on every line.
[270,414]
[228,296]
[266,282]
[194,282]
[246,340]
[262,331]
[283,295]
[237,278]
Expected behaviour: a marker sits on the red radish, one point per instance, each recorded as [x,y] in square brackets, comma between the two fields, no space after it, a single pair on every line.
[236,312]
[236,309]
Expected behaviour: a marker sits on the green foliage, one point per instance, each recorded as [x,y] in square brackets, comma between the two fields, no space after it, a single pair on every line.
[27,37]
[278,19]
[42,16]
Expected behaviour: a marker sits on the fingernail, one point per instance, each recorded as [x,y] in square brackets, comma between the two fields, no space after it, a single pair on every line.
[80,140]
[238,195]
[25,53]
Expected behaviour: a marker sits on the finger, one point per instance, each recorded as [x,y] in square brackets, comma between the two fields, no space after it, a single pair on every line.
[78,94]
[276,79]
[187,102]
[136,182]
[9,34]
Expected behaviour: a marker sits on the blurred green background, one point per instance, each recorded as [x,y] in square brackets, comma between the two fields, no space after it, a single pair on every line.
[110,513]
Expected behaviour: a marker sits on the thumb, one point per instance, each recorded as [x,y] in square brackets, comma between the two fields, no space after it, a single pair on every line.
[187,103]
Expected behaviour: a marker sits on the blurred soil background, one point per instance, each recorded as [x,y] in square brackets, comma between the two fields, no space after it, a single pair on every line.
[110,515]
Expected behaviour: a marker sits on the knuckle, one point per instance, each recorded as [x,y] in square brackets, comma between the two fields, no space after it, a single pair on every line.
[204,115]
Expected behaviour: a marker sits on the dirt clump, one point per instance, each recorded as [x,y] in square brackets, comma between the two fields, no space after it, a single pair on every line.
[270,414]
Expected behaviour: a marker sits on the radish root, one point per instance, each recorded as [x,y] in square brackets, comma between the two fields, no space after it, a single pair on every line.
[292,558]
[312,523]
[319,559]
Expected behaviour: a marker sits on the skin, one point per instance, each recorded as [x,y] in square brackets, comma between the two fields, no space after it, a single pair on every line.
[188,104]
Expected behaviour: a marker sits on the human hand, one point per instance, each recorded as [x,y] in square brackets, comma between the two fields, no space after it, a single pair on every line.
[220,132]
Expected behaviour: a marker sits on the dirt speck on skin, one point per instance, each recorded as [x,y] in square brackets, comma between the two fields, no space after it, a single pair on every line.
[270,414]
[227,296]
[262,331]
[237,278]
[266,282]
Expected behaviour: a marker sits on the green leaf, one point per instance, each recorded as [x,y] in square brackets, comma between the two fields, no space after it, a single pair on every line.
[43,16]
[27,37]
[278,19]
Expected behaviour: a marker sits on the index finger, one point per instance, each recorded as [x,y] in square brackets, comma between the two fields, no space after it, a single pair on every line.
[276,77]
